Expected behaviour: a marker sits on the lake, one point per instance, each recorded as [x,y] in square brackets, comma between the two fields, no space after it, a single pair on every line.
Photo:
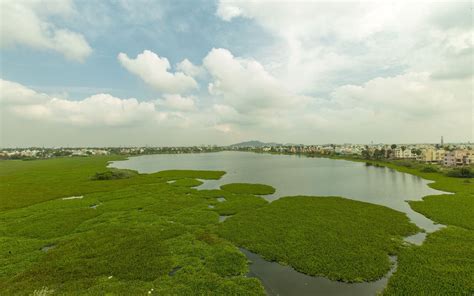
[300,175]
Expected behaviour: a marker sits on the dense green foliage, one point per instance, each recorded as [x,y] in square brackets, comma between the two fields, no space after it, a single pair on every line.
[145,236]
[114,174]
[328,236]
[443,265]
[23,183]
[464,172]
[187,182]
[245,188]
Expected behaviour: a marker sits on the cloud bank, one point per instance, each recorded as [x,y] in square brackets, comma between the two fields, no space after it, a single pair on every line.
[28,23]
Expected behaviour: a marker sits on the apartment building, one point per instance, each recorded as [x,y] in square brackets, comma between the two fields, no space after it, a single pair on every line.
[400,153]
[432,155]
[458,158]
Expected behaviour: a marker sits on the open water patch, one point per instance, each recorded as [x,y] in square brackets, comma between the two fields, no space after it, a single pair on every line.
[73,197]
[223,218]
[284,280]
[47,247]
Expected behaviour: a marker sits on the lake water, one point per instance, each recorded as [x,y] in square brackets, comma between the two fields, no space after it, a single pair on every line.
[284,280]
[300,175]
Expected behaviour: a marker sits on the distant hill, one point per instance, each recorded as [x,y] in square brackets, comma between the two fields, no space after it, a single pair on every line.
[254,143]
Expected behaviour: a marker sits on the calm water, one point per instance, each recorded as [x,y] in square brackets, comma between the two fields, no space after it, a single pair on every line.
[284,280]
[296,175]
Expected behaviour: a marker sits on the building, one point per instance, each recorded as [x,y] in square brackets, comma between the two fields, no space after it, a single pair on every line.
[403,153]
[458,158]
[432,155]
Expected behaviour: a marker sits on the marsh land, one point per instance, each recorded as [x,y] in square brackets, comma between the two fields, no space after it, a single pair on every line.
[86,226]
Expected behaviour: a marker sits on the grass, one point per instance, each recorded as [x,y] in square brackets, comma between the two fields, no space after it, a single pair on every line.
[334,237]
[156,234]
[23,183]
[187,182]
[246,188]
[145,235]
[443,265]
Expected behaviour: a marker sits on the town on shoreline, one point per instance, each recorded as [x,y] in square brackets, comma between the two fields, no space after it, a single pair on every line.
[444,154]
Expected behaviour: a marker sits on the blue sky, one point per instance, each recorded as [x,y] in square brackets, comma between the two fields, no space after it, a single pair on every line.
[174,29]
[304,72]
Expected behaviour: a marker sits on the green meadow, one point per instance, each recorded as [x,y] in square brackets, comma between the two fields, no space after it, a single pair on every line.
[70,226]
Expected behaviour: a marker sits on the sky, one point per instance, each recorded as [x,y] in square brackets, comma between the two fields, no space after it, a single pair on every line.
[175,73]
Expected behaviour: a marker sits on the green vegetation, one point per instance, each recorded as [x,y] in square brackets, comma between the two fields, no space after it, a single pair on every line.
[23,183]
[187,182]
[140,235]
[464,172]
[156,234]
[328,236]
[114,174]
[443,265]
[245,188]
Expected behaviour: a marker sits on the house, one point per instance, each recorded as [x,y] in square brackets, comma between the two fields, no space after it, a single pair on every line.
[458,158]
[432,155]
[403,153]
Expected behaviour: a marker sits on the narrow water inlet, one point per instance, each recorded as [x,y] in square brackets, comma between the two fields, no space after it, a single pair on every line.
[223,218]
[284,280]
[48,247]
[73,197]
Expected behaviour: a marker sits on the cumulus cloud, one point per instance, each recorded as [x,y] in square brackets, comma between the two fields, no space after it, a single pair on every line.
[12,93]
[29,23]
[96,110]
[244,84]
[410,95]
[154,70]
[189,68]
[178,102]
[321,45]
[411,106]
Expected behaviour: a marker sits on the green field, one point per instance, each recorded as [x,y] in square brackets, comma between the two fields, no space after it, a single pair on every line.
[334,237]
[156,234]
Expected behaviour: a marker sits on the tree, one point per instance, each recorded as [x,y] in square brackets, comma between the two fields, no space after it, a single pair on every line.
[404,148]
[393,146]
[366,154]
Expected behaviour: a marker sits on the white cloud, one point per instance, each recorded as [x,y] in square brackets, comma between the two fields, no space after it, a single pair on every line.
[320,45]
[12,93]
[412,106]
[154,71]
[178,102]
[189,68]
[244,84]
[96,110]
[27,23]
[412,95]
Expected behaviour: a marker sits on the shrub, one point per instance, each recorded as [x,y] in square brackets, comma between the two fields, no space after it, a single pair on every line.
[113,175]
[405,163]
[463,172]
[429,169]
